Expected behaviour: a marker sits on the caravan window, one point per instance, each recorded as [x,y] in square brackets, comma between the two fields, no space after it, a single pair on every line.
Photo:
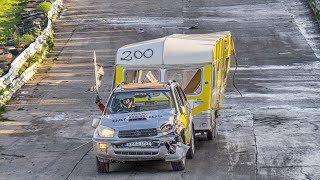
[142,76]
[189,79]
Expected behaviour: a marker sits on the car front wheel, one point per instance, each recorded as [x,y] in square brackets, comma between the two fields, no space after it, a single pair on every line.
[179,165]
[190,153]
[102,167]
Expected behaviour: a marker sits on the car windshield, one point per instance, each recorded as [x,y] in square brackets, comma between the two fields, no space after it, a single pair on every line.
[138,101]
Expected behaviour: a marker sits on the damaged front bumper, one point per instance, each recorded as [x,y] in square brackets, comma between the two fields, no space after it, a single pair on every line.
[162,148]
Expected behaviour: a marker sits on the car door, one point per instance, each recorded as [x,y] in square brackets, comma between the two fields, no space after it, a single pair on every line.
[185,102]
[184,113]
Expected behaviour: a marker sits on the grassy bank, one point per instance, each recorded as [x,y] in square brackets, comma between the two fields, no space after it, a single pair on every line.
[315,6]
[9,17]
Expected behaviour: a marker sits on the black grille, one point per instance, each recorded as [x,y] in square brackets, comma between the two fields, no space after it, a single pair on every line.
[137,153]
[138,133]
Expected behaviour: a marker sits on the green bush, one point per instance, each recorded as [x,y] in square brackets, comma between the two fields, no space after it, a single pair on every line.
[2,109]
[1,72]
[43,49]
[33,59]
[27,38]
[44,7]
[34,32]
[50,42]
[22,69]
[22,41]
[3,39]
[5,89]
[9,16]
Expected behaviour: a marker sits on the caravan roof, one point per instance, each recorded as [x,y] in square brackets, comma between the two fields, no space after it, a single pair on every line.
[171,50]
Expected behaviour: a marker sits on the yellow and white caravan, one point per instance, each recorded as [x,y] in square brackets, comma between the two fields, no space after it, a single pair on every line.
[200,63]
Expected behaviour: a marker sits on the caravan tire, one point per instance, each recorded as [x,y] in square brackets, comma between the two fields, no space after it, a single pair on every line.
[213,132]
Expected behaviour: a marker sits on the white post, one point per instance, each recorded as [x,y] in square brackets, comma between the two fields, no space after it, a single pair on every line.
[95,70]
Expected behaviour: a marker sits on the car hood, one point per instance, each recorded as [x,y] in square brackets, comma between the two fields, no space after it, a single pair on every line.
[137,120]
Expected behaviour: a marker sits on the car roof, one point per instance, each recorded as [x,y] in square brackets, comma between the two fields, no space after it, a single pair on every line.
[143,86]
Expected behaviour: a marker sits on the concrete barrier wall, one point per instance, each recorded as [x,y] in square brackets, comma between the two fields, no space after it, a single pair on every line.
[12,78]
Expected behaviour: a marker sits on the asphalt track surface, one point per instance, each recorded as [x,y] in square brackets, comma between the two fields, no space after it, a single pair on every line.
[271,132]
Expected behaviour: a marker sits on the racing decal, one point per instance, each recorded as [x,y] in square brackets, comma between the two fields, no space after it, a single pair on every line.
[136,116]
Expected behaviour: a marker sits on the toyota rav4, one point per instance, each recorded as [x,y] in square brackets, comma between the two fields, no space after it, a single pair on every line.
[144,121]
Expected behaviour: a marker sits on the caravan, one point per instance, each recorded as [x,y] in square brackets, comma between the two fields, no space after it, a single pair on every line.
[200,63]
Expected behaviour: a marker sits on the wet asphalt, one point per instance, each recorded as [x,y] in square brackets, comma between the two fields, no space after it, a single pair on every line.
[271,132]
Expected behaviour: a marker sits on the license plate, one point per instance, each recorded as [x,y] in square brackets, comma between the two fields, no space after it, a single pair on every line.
[138,144]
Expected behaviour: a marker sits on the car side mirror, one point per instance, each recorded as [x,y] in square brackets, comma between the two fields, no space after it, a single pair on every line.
[95,122]
[183,110]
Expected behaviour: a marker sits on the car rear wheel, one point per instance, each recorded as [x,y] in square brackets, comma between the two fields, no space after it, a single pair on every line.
[179,165]
[102,167]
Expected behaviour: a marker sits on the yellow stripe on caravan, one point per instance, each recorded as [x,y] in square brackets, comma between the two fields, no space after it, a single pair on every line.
[153,99]
[119,76]
[206,91]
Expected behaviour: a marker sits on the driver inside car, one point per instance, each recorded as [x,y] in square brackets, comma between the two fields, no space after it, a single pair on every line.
[126,105]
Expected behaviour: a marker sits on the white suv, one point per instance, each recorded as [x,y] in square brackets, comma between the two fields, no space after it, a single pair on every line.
[150,121]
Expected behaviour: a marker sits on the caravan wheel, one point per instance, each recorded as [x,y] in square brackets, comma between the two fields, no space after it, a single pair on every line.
[213,132]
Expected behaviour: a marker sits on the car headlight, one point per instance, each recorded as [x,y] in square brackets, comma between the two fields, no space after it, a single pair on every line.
[105,131]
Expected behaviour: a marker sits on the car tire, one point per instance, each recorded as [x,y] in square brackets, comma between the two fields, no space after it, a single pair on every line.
[190,153]
[102,167]
[179,165]
[213,132]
